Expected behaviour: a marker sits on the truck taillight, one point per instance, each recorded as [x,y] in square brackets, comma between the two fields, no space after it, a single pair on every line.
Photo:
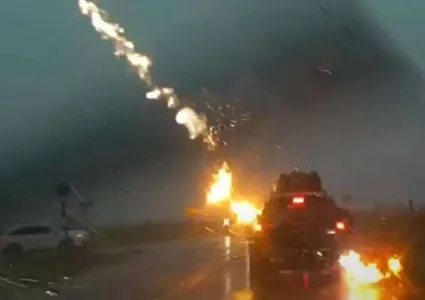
[298,200]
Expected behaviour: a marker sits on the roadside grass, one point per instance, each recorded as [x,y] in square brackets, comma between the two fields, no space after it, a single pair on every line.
[138,234]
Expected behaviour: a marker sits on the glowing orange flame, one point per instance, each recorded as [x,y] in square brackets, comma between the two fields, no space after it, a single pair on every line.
[245,212]
[221,189]
[258,227]
[358,273]
[394,265]
[221,192]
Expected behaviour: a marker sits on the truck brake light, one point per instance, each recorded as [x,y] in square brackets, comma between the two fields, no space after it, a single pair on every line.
[298,200]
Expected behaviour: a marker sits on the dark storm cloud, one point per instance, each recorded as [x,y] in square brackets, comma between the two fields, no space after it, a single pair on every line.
[70,110]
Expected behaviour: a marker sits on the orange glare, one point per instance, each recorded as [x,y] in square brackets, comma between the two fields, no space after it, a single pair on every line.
[246,212]
[221,188]
[359,273]
[340,225]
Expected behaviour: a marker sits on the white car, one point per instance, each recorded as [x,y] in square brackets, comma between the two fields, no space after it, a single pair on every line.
[38,237]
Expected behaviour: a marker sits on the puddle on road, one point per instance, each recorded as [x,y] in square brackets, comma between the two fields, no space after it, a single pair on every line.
[227,246]
[229,274]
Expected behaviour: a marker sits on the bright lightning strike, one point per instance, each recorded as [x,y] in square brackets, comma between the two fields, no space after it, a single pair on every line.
[195,123]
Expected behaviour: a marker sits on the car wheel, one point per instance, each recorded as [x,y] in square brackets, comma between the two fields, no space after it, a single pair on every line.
[263,283]
[12,251]
[66,244]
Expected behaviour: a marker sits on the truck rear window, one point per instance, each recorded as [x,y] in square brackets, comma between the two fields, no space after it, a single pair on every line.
[283,202]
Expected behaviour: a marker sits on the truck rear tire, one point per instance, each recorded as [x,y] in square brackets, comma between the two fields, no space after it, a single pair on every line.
[258,271]
[66,245]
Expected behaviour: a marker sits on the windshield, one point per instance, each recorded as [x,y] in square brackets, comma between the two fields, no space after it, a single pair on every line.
[148,134]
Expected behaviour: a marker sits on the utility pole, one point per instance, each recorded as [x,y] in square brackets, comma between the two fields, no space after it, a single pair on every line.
[84,204]
[63,191]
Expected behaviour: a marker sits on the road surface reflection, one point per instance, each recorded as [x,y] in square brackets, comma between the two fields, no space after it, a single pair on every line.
[337,292]
[365,293]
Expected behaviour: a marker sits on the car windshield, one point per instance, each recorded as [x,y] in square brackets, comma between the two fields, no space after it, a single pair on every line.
[149,134]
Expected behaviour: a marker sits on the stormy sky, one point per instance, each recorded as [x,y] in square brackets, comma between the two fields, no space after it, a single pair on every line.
[70,110]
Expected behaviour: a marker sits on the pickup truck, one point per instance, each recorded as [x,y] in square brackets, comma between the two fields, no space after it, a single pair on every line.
[297,236]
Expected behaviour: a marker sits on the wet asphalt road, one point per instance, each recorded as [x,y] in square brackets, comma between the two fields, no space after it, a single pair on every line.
[213,268]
